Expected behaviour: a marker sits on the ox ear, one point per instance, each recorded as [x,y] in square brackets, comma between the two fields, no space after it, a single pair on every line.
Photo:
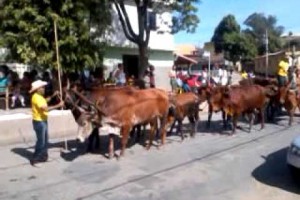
[271,90]
[226,91]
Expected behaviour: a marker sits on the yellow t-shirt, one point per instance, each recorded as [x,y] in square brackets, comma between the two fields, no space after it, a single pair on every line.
[244,75]
[37,101]
[283,68]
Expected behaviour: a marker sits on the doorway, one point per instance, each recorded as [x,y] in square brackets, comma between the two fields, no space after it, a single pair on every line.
[131,65]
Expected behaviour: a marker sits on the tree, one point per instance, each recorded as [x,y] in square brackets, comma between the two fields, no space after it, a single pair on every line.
[258,24]
[228,39]
[185,18]
[27,31]
[227,26]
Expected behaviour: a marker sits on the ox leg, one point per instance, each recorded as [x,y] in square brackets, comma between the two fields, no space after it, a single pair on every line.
[173,126]
[111,145]
[179,129]
[153,128]
[262,118]
[225,122]
[196,121]
[235,119]
[162,129]
[209,117]
[124,134]
[291,114]
[93,140]
[250,115]
[195,125]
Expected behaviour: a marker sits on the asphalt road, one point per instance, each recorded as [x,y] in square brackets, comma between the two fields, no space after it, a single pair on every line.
[212,166]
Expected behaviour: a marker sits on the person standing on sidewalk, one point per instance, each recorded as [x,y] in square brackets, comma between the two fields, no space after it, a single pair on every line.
[40,110]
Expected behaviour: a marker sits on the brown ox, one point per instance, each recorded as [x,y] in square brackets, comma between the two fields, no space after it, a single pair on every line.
[125,108]
[258,81]
[271,85]
[239,100]
[290,101]
[213,95]
[186,105]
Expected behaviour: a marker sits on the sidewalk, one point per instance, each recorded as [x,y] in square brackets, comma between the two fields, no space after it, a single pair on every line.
[16,126]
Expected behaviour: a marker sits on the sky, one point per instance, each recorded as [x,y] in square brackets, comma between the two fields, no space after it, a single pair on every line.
[211,13]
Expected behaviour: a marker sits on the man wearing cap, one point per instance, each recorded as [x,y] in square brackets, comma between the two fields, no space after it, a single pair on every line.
[40,110]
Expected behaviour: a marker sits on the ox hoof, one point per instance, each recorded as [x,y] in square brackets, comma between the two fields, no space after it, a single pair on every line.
[231,134]
[118,158]
[147,147]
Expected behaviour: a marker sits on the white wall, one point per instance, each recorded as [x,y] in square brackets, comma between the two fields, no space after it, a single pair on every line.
[159,40]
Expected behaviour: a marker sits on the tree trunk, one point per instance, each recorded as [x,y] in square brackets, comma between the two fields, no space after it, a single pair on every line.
[143,61]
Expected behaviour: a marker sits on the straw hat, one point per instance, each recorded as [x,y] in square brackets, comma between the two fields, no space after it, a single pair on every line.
[36,85]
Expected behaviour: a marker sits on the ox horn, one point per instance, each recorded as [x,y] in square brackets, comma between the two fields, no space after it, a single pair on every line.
[68,84]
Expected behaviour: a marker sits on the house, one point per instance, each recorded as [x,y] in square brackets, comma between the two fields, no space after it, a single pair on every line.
[161,46]
[183,53]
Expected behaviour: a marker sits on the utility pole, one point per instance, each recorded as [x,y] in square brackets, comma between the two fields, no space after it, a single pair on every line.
[267,53]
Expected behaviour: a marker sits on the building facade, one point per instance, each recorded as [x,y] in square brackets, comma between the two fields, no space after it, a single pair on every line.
[161,46]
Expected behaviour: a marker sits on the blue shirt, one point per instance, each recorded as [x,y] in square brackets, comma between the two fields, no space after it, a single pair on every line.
[3,84]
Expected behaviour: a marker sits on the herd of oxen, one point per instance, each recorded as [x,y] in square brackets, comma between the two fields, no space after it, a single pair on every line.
[124,111]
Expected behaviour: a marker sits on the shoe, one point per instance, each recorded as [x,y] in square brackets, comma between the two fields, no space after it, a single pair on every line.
[35,163]
[44,158]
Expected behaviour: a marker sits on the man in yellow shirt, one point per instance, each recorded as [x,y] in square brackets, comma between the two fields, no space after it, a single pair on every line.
[282,73]
[40,110]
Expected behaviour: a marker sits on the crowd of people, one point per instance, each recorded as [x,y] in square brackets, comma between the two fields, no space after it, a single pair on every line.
[19,86]
[183,81]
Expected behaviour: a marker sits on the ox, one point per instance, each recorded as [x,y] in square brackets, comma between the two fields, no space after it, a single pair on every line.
[290,101]
[124,108]
[213,95]
[271,85]
[237,100]
[186,105]
[258,81]
[83,116]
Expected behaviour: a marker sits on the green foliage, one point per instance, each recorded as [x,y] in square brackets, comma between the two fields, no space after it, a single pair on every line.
[245,45]
[185,16]
[27,31]
[228,38]
[227,26]
[257,25]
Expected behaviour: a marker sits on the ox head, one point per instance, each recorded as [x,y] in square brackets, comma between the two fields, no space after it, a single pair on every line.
[204,93]
[271,90]
[216,97]
[283,92]
[84,130]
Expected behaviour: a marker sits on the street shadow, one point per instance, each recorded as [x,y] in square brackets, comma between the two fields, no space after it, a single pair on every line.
[27,152]
[216,128]
[275,172]
[24,152]
[99,149]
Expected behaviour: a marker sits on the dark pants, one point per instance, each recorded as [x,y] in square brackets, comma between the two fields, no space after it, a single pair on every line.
[282,80]
[41,146]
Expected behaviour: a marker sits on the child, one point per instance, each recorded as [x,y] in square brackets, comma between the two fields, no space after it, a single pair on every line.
[16,87]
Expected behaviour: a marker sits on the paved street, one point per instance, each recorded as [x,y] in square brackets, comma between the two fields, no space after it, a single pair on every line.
[212,166]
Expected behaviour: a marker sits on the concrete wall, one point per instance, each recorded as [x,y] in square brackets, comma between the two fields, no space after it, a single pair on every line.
[17,128]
